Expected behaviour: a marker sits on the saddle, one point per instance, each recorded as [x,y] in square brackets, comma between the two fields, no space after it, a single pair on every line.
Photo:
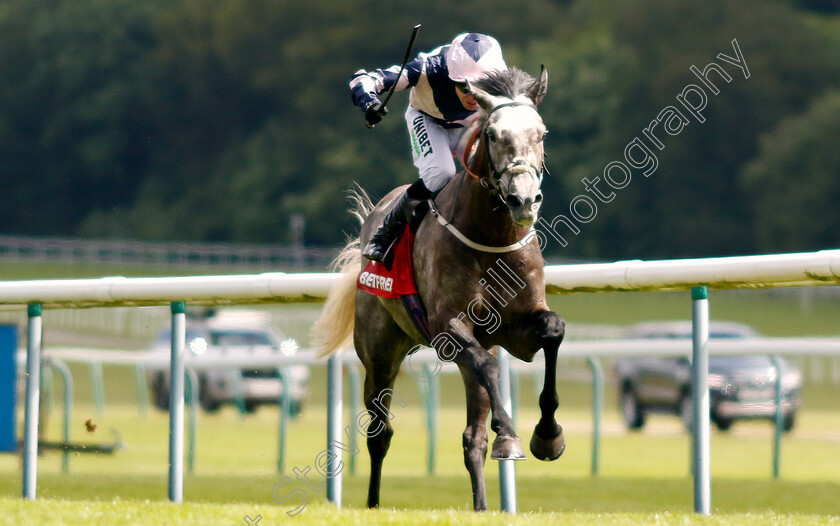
[396,281]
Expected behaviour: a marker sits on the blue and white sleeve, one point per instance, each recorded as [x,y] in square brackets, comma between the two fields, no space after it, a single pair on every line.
[367,85]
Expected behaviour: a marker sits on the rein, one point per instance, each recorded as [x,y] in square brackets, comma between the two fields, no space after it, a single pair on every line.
[468,149]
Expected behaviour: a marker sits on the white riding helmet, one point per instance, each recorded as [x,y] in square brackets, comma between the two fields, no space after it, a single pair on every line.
[471,55]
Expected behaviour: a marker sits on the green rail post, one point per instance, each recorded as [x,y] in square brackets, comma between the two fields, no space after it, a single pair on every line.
[47,394]
[191,388]
[98,383]
[355,390]
[700,399]
[47,398]
[539,380]
[176,402]
[431,394]
[335,413]
[33,396]
[142,389]
[507,468]
[238,398]
[423,388]
[777,420]
[67,378]
[597,407]
[284,404]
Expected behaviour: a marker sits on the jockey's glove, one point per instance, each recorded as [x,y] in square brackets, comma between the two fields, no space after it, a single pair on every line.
[374,113]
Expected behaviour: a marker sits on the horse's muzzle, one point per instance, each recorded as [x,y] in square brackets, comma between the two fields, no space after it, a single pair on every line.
[523,207]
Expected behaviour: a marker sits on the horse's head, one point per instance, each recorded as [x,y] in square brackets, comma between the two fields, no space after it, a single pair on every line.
[513,134]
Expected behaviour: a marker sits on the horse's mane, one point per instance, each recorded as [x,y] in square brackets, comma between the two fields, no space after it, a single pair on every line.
[510,83]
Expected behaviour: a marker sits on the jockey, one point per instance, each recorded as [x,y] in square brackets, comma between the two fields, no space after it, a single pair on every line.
[439,112]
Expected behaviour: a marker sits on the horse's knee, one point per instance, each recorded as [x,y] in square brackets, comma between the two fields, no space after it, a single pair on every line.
[551,325]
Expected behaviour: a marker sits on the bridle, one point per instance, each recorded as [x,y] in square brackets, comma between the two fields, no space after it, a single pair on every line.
[495,183]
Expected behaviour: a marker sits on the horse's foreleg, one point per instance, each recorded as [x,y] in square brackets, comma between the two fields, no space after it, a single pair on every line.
[548,442]
[506,446]
[475,437]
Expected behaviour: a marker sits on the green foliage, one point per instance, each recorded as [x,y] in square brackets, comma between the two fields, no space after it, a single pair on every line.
[72,108]
[219,120]
[793,180]
[627,62]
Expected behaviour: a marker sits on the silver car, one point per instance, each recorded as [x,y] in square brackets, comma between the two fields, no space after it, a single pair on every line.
[226,336]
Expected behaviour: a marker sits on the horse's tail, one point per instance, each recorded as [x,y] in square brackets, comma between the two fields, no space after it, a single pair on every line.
[334,329]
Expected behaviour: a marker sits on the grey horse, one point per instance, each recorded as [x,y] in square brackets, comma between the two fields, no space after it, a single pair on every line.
[478,269]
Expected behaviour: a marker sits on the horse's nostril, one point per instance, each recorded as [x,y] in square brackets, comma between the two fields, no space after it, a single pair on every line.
[513,201]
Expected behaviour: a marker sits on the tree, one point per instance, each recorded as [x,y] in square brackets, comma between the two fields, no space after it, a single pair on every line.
[793,180]
[625,63]
[73,119]
[219,120]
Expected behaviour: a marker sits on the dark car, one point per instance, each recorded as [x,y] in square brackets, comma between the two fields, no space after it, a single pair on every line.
[740,387]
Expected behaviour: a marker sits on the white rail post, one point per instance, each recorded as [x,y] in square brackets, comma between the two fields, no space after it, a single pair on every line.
[334,413]
[33,396]
[700,399]
[176,403]
[507,468]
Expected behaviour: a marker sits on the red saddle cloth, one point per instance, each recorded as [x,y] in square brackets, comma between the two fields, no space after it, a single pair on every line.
[394,283]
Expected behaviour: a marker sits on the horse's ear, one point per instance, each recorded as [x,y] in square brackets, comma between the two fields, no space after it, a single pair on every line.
[537,91]
[484,99]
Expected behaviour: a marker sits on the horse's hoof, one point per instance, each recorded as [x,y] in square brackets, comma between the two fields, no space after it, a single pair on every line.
[507,448]
[548,448]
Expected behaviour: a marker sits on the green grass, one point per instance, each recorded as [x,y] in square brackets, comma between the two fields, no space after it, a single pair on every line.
[644,477]
[133,512]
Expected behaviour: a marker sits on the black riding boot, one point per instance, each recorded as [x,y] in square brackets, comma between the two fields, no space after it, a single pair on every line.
[407,209]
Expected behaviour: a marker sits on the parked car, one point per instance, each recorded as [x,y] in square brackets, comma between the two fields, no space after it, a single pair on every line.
[740,387]
[231,333]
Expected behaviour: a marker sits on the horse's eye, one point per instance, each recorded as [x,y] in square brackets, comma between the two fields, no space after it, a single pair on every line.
[492,135]
[543,135]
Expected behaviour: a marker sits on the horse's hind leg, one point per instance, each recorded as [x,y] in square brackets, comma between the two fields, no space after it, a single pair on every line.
[475,436]
[548,443]
[378,341]
[379,393]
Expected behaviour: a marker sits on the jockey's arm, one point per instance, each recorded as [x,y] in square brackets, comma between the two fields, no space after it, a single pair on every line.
[365,86]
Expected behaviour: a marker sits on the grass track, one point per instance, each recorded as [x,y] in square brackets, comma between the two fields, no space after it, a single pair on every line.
[644,476]
[60,513]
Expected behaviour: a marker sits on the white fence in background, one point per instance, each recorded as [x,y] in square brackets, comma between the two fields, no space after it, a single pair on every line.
[137,328]
[14,248]
[783,270]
